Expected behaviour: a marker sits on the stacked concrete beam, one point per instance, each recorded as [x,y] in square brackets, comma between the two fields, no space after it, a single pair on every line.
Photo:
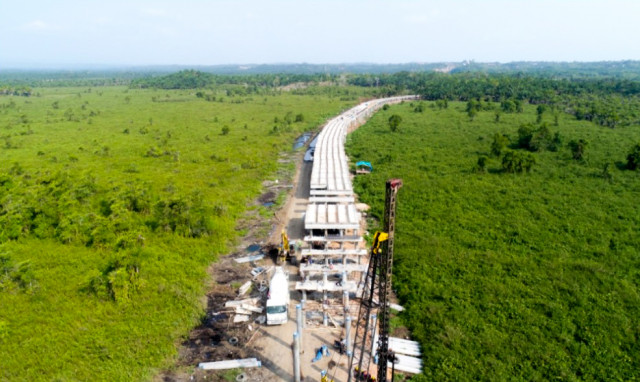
[332,221]
[408,355]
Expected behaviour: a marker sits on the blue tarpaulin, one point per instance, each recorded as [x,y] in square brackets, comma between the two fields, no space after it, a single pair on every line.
[366,164]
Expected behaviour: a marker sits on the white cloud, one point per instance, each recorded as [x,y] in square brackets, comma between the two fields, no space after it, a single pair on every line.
[155,12]
[102,21]
[39,26]
[423,18]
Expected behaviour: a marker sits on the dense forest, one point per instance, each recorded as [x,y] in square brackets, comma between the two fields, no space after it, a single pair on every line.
[609,102]
[100,76]
[193,79]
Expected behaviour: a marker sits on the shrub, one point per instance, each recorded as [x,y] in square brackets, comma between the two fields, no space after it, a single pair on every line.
[517,162]
[538,139]
[499,144]
[120,279]
[508,106]
[481,165]
[394,122]
[525,133]
[153,152]
[633,158]
[472,113]
[578,148]
[541,139]
[606,172]
[16,275]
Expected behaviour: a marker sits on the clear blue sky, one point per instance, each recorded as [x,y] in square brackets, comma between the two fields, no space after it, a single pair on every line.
[200,32]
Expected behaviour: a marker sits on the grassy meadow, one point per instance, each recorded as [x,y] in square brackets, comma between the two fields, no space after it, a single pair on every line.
[510,276]
[113,203]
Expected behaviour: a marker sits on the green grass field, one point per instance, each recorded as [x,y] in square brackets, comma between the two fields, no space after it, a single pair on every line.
[532,276]
[113,202]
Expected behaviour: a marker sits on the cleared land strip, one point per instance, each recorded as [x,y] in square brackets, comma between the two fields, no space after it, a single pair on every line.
[330,218]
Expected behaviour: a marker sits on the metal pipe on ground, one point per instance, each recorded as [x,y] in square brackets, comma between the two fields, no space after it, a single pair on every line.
[230,364]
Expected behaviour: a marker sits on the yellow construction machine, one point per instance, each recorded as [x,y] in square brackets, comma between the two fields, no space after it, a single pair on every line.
[284,251]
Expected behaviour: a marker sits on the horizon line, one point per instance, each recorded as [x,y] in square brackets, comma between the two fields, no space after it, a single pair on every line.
[77,66]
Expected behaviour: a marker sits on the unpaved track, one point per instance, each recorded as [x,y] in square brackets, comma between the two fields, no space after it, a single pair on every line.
[274,344]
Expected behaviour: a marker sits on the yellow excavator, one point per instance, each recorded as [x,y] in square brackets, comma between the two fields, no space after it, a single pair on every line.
[283,253]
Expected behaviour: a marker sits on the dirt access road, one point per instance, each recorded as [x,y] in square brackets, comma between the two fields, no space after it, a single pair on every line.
[272,345]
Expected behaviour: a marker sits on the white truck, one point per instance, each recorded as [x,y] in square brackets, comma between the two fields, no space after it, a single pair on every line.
[278,298]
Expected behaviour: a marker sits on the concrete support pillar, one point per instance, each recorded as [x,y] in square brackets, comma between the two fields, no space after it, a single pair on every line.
[296,357]
[345,301]
[347,334]
[325,319]
[300,325]
[324,278]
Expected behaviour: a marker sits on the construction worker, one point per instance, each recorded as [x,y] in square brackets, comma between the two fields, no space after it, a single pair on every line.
[324,376]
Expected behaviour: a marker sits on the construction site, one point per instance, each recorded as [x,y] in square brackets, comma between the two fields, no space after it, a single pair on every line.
[329,321]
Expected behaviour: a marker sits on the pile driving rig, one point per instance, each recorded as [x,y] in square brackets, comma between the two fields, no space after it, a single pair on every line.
[375,297]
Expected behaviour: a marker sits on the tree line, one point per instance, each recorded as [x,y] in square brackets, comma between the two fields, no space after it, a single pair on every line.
[610,102]
[194,79]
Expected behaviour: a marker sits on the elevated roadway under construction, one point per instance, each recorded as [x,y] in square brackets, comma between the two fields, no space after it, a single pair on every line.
[332,223]
[322,215]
